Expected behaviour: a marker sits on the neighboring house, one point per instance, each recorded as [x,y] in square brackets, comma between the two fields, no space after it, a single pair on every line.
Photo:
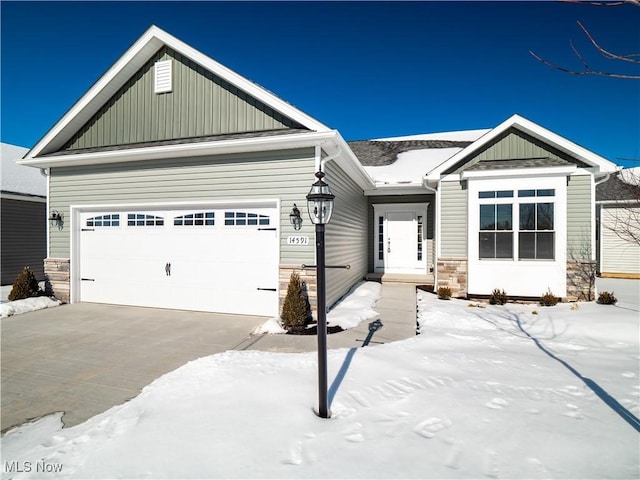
[23,217]
[176,178]
[618,214]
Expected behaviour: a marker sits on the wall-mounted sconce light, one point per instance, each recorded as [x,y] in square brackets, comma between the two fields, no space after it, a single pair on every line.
[295,218]
[56,219]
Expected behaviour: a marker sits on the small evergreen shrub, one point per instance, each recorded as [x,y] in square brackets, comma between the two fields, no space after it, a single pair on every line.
[498,297]
[548,299]
[25,286]
[295,309]
[606,298]
[444,293]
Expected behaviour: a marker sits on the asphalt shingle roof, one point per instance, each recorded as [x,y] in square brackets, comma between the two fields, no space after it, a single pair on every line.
[376,153]
[616,189]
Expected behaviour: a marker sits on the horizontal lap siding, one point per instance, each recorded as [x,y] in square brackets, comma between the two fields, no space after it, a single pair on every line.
[23,238]
[453,220]
[619,256]
[346,234]
[579,217]
[273,175]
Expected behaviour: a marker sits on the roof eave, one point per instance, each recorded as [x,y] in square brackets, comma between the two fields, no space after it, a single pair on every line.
[219,147]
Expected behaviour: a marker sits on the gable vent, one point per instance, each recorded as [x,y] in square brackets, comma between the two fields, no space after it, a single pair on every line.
[162,77]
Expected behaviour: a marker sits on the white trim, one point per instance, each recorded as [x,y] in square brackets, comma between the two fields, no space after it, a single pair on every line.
[413,189]
[536,131]
[133,59]
[520,172]
[221,147]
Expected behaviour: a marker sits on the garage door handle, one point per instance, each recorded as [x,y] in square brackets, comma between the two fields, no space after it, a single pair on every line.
[88,279]
[273,229]
[268,289]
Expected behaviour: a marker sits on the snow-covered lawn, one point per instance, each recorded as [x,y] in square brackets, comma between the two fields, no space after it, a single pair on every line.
[498,392]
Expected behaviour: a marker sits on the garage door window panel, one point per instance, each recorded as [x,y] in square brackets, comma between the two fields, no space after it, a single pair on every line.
[206,219]
[144,220]
[245,219]
[112,220]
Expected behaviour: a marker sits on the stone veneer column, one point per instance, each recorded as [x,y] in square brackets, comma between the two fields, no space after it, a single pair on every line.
[57,275]
[581,280]
[308,276]
[452,273]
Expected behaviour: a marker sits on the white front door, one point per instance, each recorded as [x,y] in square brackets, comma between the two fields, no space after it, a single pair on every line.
[400,238]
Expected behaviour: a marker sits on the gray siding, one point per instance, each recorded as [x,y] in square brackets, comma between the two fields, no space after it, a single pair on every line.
[513,144]
[270,175]
[346,234]
[453,219]
[579,217]
[620,257]
[372,223]
[23,233]
[200,104]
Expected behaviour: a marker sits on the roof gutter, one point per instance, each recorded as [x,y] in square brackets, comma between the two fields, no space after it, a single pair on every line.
[219,147]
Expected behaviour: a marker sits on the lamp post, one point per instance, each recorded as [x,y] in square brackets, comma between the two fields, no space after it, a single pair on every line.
[320,206]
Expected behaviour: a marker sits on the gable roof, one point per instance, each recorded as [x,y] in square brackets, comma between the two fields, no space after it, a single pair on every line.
[128,64]
[596,162]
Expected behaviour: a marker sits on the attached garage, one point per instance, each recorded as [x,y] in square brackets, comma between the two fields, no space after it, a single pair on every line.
[208,258]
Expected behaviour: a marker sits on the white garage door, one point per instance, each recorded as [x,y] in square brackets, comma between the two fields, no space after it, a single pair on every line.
[207,259]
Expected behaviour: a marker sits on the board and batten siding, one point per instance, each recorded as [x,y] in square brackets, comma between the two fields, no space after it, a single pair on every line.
[346,234]
[579,217]
[618,257]
[199,104]
[23,233]
[514,144]
[283,175]
[372,222]
[453,219]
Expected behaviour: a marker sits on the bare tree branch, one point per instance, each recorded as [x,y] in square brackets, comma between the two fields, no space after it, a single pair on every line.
[633,58]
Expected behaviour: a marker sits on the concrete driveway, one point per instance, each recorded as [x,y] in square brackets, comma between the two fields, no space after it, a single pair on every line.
[85,358]
[82,359]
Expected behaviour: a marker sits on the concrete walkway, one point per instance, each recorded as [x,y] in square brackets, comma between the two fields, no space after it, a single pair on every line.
[85,358]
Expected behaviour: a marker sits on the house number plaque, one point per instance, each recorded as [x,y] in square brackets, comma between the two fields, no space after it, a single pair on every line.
[297,240]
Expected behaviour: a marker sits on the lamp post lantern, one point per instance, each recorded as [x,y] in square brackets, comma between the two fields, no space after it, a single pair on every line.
[320,206]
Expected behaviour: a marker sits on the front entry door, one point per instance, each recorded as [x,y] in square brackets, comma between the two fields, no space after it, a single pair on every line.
[401,240]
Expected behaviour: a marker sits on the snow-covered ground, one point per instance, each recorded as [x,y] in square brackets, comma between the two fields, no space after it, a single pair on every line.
[519,391]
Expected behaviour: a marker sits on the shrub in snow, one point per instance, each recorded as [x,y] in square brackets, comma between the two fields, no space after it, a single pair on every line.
[606,298]
[548,299]
[25,286]
[444,293]
[295,309]
[498,297]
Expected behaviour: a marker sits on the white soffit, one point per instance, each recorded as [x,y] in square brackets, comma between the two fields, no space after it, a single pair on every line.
[129,63]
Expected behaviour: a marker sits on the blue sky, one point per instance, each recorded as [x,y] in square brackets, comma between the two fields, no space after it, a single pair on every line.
[368,69]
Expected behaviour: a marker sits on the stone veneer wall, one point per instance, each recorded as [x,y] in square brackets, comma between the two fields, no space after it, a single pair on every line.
[581,280]
[452,273]
[308,276]
[57,275]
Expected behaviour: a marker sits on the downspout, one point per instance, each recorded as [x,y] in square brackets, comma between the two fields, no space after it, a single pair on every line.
[320,165]
[47,173]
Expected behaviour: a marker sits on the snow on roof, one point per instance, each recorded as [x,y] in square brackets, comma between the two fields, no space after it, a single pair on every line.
[411,166]
[18,178]
[461,136]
